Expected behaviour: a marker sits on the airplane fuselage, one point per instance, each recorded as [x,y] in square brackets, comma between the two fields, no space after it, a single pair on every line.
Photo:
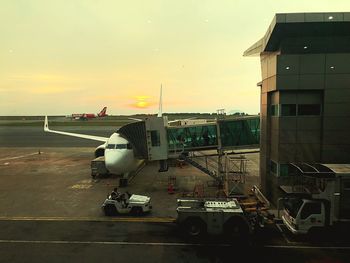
[85,116]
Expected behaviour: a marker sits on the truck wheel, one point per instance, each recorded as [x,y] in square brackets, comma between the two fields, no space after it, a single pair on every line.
[194,227]
[137,211]
[110,210]
[315,232]
[236,227]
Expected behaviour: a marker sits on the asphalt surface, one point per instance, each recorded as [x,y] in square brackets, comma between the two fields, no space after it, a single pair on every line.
[33,136]
[62,241]
[29,236]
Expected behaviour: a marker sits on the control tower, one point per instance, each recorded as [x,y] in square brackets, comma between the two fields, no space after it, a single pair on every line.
[305,94]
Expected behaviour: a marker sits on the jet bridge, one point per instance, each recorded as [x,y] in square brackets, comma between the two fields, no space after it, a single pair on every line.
[153,139]
[224,134]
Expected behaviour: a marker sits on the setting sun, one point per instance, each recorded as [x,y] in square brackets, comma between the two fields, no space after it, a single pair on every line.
[142,102]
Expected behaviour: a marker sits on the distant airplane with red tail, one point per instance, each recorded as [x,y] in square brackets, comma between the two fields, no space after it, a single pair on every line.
[86,116]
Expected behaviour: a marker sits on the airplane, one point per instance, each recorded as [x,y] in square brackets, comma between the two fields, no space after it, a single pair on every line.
[118,152]
[86,116]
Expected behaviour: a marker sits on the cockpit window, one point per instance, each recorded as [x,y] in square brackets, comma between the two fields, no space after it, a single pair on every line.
[119,146]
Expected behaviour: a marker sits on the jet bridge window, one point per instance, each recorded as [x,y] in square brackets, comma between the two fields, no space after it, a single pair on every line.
[193,136]
[155,138]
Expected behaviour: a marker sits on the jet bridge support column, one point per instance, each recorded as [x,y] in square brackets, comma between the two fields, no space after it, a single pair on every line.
[220,153]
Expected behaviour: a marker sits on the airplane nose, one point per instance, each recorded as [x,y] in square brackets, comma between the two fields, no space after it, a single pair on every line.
[110,161]
[113,161]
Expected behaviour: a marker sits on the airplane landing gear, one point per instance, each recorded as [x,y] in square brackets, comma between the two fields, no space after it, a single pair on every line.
[123,182]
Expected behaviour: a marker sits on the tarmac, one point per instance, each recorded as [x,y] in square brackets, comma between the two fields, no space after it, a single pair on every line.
[57,183]
[34,136]
[51,173]
[51,209]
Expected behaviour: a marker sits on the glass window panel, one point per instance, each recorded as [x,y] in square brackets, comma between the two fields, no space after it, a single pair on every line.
[310,209]
[309,109]
[288,110]
[274,110]
[192,137]
[284,169]
[233,133]
[240,132]
[273,167]
[155,138]
[346,185]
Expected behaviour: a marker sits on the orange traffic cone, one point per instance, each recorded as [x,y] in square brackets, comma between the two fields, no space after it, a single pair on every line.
[171,189]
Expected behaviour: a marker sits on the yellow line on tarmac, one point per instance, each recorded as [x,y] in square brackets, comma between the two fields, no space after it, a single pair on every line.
[97,219]
[18,157]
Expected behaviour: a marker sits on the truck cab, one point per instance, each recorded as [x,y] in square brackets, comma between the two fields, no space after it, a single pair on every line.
[302,215]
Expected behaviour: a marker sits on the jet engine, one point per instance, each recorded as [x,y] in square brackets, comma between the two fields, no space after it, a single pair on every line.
[100,150]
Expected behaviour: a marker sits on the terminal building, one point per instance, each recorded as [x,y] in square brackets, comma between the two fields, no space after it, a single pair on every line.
[305,94]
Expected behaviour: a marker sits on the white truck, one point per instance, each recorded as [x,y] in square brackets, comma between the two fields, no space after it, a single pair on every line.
[230,216]
[126,203]
[325,200]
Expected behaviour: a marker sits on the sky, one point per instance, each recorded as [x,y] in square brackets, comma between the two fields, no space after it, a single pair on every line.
[76,56]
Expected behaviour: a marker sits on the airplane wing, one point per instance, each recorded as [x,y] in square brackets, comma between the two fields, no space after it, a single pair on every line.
[84,136]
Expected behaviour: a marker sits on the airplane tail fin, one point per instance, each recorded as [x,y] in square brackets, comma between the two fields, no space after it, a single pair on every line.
[103,112]
[160,110]
[46,124]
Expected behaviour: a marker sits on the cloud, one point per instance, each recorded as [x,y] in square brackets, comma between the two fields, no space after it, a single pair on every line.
[38,77]
[48,90]
[142,98]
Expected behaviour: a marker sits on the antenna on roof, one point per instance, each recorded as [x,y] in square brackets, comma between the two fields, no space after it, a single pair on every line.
[160,110]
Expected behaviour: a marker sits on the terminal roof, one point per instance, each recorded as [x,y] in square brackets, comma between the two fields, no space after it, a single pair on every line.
[314,170]
[300,25]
